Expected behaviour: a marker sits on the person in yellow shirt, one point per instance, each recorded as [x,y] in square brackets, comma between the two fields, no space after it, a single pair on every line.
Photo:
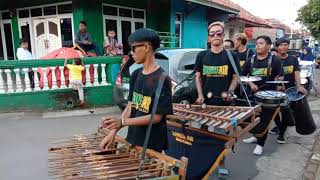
[75,70]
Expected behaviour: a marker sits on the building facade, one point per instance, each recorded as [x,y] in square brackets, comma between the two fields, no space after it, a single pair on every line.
[49,25]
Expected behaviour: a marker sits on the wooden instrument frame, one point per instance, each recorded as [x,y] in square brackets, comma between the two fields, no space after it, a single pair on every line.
[231,138]
[247,112]
[94,160]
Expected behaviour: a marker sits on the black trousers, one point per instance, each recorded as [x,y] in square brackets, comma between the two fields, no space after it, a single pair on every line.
[86,48]
[286,120]
[260,131]
[31,78]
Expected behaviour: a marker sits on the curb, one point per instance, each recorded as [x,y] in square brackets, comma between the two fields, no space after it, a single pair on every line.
[312,171]
[82,112]
[12,115]
[62,114]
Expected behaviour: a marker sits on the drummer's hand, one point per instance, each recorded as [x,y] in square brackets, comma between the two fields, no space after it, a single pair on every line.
[280,88]
[279,78]
[254,87]
[107,140]
[111,123]
[301,89]
[229,98]
[200,99]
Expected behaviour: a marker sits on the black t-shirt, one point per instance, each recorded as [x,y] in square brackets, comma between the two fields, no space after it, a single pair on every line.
[142,94]
[244,56]
[290,65]
[216,71]
[260,69]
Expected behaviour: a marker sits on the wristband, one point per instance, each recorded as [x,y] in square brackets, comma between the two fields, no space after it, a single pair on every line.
[231,92]
[122,122]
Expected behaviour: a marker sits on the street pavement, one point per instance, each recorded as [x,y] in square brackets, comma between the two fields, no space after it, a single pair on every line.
[25,137]
[24,141]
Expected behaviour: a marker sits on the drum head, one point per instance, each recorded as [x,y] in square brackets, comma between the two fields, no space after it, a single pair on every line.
[250,78]
[293,95]
[304,81]
[270,95]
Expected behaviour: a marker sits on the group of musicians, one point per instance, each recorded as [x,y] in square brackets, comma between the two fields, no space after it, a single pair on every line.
[215,75]
[212,82]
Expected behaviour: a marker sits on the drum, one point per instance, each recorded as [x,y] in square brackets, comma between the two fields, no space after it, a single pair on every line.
[271,99]
[303,117]
[293,95]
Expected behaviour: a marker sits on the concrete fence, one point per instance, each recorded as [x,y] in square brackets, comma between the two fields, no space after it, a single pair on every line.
[44,84]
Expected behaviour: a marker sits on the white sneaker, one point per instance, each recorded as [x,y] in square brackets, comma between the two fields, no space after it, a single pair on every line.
[250,140]
[258,150]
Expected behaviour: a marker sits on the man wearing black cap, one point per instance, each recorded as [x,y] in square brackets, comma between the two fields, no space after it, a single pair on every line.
[143,84]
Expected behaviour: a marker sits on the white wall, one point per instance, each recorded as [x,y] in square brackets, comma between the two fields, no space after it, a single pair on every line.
[237,27]
[258,31]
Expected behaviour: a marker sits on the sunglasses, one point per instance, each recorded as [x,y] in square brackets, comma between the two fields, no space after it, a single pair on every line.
[218,33]
[133,47]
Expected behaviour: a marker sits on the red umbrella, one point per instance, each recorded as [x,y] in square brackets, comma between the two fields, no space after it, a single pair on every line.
[63,53]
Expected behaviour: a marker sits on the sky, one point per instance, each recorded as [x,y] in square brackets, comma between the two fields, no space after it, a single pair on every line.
[283,10]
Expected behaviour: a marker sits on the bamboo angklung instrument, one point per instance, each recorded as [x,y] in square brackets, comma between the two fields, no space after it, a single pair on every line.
[79,157]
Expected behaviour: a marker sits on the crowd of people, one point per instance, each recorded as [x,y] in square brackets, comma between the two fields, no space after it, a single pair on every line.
[84,41]
[215,75]
[217,72]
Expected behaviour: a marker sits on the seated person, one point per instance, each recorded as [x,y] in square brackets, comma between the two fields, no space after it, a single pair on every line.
[23,53]
[306,54]
[84,40]
[111,45]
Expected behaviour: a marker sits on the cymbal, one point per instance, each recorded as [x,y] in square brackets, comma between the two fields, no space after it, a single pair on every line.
[277,82]
[250,78]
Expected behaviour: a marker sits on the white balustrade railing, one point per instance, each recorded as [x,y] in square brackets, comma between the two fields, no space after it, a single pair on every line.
[26,79]
[62,78]
[36,79]
[103,74]
[3,82]
[9,80]
[95,83]
[88,81]
[18,79]
[17,84]
[45,79]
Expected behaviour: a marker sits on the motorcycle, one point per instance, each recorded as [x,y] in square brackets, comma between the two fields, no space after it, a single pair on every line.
[306,73]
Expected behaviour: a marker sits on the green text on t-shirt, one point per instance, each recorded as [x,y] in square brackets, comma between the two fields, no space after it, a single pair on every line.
[215,70]
[288,69]
[259,71]
[242,62]
[140,102]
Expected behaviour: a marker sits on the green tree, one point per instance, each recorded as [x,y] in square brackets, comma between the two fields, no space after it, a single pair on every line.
[309,16]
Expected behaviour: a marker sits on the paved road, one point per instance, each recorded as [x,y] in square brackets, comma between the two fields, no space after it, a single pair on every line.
[24,142]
